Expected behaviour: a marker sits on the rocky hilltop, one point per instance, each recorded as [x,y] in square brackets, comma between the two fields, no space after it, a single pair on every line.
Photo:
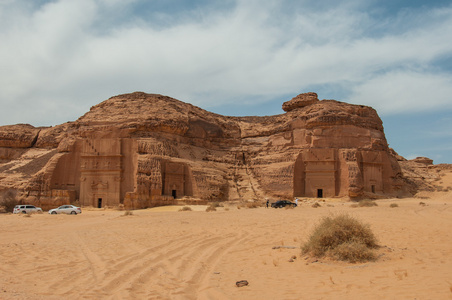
[141,150]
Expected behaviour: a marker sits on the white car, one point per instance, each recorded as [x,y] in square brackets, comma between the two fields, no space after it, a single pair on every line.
[66,209]
[26,209]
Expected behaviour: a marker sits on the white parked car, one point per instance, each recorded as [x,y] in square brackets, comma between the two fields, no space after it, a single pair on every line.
[26,209]
[66,209]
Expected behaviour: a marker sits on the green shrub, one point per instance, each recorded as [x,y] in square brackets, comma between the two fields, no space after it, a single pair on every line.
[341,237]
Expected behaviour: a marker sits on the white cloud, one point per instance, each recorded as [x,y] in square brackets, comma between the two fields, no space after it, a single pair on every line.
[65,56]
[400,92]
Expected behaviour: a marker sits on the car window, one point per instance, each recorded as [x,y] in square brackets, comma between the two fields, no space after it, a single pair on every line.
[30,206]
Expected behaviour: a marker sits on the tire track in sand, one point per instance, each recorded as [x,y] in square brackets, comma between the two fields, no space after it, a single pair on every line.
[176,268]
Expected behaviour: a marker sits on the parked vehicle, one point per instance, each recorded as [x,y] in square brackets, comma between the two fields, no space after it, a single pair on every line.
[66,209]
[26,209]
[283,203]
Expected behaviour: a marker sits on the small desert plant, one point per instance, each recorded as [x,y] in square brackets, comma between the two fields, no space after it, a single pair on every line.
[315,205]
[8,200]
[353,252]
[422,203]
[210,208]
[185,208]
[367,203]
[343,238]
[128,213]
[392,205]
[252,205]
[216,204]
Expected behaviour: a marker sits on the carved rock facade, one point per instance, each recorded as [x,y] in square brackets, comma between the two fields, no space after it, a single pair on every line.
[142,150]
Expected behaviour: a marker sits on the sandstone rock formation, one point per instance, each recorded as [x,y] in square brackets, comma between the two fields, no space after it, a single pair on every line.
[300,101]
[141,150]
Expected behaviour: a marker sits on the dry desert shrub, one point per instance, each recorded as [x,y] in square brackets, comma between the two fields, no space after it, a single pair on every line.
[353,252]
[252,205]
[315,205]
[392,205]
[8,200]
[365,203]
[211,208]
[248,205]
[128,213]
[185,208]
[342,238]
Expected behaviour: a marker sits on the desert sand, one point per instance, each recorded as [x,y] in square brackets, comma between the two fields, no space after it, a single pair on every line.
[163,253]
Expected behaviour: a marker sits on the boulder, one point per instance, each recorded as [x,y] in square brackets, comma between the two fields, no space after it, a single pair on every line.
[300,101]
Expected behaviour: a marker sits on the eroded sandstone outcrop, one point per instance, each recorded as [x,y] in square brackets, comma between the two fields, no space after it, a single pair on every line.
[300,101]
[18,136]
[140,150]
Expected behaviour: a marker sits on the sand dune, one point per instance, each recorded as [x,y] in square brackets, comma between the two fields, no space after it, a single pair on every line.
[164,254]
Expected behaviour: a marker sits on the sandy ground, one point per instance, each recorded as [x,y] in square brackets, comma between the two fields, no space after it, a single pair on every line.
[166,254]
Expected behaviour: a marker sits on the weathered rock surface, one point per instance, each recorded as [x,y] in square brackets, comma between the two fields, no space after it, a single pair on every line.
[423,160]
[300,101]
[18,136]
[142,150]
[421,175]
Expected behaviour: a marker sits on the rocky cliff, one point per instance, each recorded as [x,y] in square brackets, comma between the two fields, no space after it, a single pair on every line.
[142,150]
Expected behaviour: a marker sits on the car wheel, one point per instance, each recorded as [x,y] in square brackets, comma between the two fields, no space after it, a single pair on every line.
[73,213]
[53,212]
[24,212]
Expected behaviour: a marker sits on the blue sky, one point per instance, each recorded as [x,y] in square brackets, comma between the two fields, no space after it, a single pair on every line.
[234,57]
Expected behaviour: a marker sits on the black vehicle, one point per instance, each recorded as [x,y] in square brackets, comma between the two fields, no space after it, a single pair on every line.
[283,203]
